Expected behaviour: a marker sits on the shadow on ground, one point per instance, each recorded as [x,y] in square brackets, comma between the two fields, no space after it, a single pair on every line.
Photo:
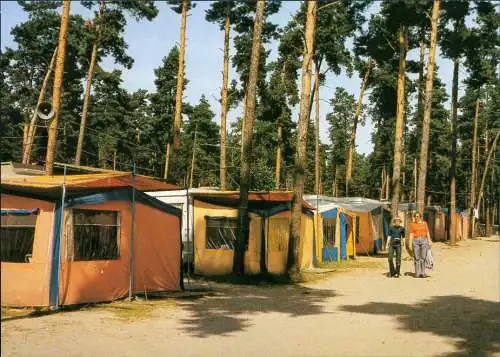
[229,310]
[476,323]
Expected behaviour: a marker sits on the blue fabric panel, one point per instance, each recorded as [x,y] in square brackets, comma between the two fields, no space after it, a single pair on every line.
[329,254]
[124,194]
[330,214]
[56,257]
[387,221]
[19,212]
[343,237]
[272,211]
[378,245]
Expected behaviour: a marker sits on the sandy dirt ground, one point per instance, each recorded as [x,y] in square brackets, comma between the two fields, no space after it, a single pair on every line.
[455,312]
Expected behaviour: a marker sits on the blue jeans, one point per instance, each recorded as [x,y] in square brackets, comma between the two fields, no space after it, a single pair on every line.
[420,247]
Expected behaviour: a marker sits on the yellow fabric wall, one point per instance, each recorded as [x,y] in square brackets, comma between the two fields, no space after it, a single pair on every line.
[307,236]
[220,261]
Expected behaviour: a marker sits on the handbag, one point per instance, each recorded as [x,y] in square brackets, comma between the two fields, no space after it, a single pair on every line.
[429,260]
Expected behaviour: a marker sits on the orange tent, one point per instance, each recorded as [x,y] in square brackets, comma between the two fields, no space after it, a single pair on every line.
[86,238]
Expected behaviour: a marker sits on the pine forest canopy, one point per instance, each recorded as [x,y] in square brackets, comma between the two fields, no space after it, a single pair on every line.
[125,125]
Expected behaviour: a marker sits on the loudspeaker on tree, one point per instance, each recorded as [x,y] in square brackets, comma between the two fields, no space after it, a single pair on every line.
[45,111]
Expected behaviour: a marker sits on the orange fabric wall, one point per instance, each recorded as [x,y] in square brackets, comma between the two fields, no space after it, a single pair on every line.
[27,284]
[157,250]
[366,239]
[101,280]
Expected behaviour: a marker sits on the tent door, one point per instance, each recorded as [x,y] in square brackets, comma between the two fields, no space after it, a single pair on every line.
[329,251]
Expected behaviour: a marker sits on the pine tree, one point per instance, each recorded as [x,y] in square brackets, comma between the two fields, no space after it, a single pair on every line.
[300,155]
[106,36]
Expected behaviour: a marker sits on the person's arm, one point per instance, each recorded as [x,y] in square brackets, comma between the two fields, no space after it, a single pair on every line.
[428,234]
[403,236]
[387,243]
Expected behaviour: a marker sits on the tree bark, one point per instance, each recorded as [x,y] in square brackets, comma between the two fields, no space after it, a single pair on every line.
[424,147]
[474,169]
[224,109]
[453,155]
[400,112]
[278,155]
[317,156]
[56,93]
[176,132]
[486,167]
[243,219]
[280,133]
[193,158]
[303,123]
[88,87]
[32,125]
[352,142]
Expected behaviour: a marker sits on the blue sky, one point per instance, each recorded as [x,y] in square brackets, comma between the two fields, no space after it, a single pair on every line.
[149,42]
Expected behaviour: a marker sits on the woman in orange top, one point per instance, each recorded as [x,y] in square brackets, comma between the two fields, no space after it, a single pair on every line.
[421,241]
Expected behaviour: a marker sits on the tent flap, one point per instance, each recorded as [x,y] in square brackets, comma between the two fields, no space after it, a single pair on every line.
[19,212]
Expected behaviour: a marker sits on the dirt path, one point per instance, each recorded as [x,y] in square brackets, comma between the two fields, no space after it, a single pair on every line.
[456,312]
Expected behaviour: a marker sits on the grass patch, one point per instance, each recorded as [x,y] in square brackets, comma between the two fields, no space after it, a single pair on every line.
[12,313]
[133,310]
[345,265]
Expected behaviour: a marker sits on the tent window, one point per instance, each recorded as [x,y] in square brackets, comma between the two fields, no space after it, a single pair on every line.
[357,230]
[96,235]
[17,236]
[329,231]
[221,232]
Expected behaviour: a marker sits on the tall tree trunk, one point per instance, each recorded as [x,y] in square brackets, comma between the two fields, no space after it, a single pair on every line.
[279,149]
[303,123]
[176,132]
[243,219]
[352,142]
[193,158]
[474,169]
[277,174]
[88,87]
[56,93]
[400,113]
[453,167]
[317,154]
[167,162]
[224,109]
[424,146]
[486,167]
[32,125]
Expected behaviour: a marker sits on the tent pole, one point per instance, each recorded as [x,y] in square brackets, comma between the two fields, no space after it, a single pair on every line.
[132,238]
[63,198]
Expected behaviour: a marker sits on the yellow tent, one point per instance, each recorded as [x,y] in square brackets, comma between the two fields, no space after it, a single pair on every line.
[215,224]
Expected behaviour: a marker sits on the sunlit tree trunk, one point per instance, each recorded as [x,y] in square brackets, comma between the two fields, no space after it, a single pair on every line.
[176,131]
[400,112]
[352,142]
[474,169]
[30,137]
[424,147]
[453,155]
[88,88]
[224,109]
[243,220]
[303,123]
[56,93]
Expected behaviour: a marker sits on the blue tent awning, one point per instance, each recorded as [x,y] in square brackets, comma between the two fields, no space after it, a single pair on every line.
[330,214]
[19,212]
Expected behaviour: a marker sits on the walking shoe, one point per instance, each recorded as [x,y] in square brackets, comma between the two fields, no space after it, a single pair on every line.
[396,276]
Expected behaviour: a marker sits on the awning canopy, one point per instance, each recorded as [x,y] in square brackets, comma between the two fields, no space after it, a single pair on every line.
[50,186]
[355,204]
